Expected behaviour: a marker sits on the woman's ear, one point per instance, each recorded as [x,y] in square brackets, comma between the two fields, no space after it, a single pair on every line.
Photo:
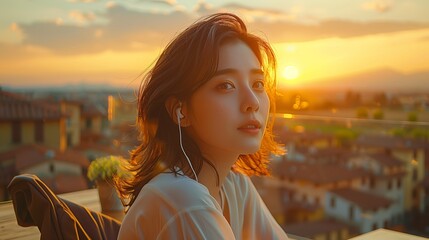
[172,104]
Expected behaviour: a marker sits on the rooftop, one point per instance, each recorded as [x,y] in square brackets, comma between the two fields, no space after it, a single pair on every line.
[319,174]
[32,154]
[16,107]
[365,200]
[389,142]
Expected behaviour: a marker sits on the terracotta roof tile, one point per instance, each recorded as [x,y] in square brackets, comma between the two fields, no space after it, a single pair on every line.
[400,174]
[32,154]
[100,148]
[386,160]
[390,142]
[285,136]
[319,174]
[383,159]
[92,110]
[302,206]
[16,107]
[365,200]
[72,156]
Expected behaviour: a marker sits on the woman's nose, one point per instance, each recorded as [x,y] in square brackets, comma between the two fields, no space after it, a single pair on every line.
[250,101]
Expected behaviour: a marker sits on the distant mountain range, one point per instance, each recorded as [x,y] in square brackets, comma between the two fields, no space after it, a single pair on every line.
[386,80]
[78,87]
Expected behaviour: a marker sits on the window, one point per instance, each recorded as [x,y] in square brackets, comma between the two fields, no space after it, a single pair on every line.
[317,201]
[69,139]
[16,132]
[371,182]
[363,181]
[39,132]
[415,194]
[389,184]
[88,123]
[351,212]
[415,174]
[333,202]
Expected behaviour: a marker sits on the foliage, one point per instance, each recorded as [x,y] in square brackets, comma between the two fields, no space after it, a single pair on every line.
[378,114]
[412,117]
[362,112]
[411,132]
[346,136]
[106,168]
[353,98]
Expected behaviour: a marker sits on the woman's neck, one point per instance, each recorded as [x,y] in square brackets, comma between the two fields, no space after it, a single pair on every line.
[207,176]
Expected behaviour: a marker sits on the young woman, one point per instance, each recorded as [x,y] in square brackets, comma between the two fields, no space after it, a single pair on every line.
[204,118]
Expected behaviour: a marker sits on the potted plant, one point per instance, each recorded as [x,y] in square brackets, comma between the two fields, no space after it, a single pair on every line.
[102,170]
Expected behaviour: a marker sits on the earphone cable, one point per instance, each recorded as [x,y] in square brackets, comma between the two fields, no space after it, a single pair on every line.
[183,150]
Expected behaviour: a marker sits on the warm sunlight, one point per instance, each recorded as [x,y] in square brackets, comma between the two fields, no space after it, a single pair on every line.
[290,72]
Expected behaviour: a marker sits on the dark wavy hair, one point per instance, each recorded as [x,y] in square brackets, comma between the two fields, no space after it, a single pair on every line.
[189,61]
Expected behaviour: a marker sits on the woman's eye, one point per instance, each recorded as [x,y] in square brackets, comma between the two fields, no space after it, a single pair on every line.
[225,86]
[260,85]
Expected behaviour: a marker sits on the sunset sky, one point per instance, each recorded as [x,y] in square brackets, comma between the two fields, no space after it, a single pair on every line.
[61,42]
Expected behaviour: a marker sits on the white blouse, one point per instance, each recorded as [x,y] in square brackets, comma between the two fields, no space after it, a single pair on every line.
[178,207]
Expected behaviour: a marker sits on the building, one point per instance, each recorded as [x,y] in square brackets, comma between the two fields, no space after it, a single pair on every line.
[23,121]
[414,156]
[363,210]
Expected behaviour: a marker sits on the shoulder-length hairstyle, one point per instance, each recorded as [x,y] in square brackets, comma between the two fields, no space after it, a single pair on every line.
[189,61]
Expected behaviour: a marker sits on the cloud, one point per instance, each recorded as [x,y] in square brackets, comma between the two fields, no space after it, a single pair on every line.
[130,29]
[110,4]
[168,2]
[14,51]
[163,2]
[81,17]
[255,14]
[380,6]
[249,14]
[124,29]
[82,1]
[296,32]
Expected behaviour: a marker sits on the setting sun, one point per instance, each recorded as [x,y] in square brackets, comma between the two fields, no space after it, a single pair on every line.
[290,72]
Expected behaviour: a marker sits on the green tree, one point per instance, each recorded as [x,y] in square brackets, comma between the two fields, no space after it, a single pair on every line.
[399,132]
[412,117]
[345,137]
[380,99]
[378,114]
[362,112]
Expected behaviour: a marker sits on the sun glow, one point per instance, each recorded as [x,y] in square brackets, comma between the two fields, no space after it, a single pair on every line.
[290,72]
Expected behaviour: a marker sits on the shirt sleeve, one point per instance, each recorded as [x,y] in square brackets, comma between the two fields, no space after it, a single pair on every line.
[261,223]
[197,223]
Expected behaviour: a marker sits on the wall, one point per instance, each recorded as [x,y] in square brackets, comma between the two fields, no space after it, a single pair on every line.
[5,136]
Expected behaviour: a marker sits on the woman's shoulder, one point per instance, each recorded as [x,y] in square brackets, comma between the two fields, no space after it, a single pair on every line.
[237,178]
[163,202]
[238,184]
[175,190]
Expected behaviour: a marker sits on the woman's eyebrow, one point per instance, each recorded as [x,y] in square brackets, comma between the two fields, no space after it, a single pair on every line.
[235,71]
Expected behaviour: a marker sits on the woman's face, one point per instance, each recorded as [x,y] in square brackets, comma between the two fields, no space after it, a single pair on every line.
[228,114]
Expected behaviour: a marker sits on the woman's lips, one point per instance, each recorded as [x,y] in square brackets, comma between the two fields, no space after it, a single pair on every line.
[252,127]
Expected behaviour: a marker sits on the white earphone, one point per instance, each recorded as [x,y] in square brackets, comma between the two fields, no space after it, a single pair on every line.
[179,113]
[180,116]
